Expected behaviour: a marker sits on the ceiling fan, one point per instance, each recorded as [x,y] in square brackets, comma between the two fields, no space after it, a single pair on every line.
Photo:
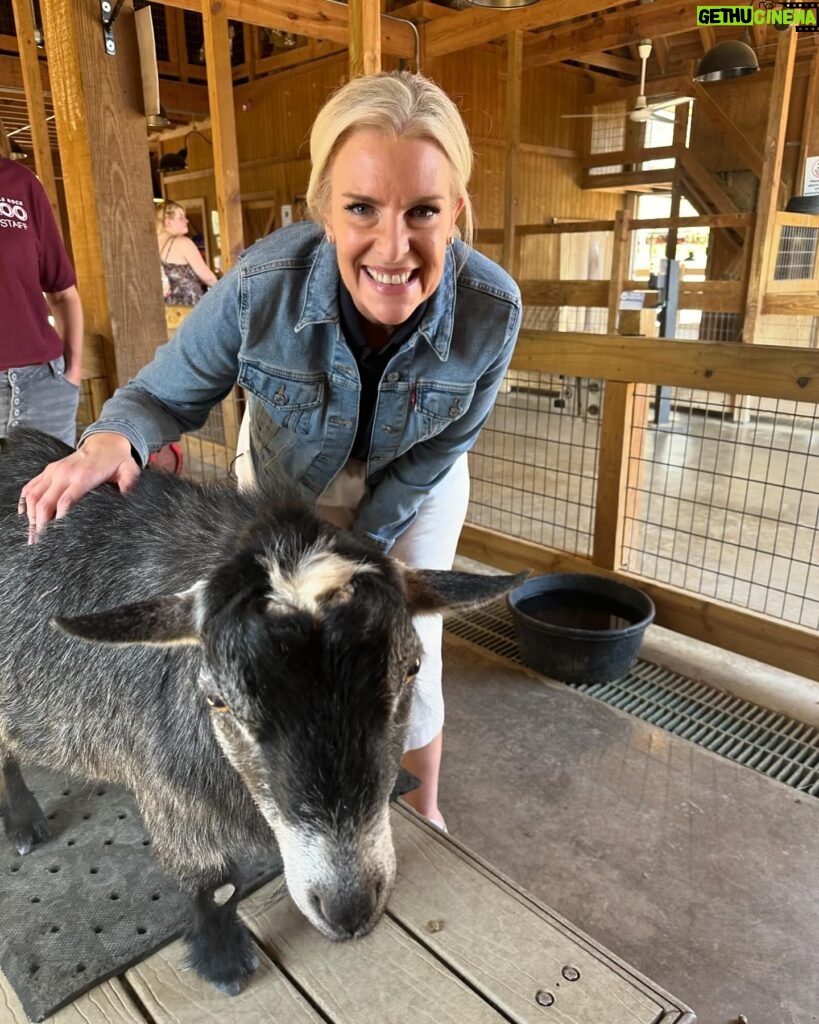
[643,110]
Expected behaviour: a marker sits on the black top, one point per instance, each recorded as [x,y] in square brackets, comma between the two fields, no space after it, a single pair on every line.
[371,364]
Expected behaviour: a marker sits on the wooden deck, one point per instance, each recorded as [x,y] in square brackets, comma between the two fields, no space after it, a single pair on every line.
[458,944]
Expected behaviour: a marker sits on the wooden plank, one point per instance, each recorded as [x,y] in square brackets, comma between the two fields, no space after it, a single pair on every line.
[173,996]
[385,978]
[793,648]
[35,101]
[365,37]
[606,30]
[617,456]
[504,943]
[791,304]
[620,180]
[474,26]
[108,1003]
[765,229]
[631,156]
[773,371]
[564,293]
[619,267]
[612,63]
[514,80]
[712,296]
[316,19]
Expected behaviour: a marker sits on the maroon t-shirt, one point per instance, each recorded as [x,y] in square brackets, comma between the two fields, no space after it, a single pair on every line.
[33,260]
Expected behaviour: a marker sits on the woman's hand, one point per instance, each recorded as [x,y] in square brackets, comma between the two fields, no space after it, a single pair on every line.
[103,458]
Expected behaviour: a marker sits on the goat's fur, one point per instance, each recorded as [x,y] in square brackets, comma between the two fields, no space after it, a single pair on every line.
[239,664]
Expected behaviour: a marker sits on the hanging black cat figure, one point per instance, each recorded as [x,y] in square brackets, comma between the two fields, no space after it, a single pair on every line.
[174,161]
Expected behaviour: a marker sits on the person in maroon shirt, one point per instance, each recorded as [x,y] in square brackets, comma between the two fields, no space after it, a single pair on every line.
[40,366]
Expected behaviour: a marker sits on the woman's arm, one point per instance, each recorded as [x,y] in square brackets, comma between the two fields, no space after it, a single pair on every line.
[196,263]
[66,308]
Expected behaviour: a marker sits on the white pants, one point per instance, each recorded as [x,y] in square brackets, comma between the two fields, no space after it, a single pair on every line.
[429,543]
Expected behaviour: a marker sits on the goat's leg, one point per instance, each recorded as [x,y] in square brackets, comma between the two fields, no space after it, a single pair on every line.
[221,949]
[24,821]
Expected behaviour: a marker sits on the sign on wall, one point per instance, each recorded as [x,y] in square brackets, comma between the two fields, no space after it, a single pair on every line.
[811,186]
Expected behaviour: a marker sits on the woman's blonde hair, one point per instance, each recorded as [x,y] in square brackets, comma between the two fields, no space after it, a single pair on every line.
[5,143]
[166,209]
[396,103]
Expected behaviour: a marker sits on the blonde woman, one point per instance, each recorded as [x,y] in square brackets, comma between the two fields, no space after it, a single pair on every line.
[371,343]
[185,273]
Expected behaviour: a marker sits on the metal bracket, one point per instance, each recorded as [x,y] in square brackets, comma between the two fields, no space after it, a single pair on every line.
[108,13]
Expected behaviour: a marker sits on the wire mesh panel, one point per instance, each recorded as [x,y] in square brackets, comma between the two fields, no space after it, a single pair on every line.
[534,467]
[729,509]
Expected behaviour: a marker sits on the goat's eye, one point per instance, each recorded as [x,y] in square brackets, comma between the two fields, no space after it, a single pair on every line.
[217,703]
[413,670]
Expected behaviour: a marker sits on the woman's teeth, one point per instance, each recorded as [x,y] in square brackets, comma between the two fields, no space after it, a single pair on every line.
[389,278]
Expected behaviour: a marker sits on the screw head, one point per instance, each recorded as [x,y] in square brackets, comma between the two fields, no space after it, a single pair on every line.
[435,925]
[110,46]
[544,998]
[570,973]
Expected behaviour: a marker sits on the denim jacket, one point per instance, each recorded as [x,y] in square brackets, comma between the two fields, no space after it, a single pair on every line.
[272,324]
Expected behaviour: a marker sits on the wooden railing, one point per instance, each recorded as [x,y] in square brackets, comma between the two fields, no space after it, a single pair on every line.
[625,364]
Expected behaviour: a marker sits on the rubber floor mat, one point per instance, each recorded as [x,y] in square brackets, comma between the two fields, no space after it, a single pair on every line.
[92,901]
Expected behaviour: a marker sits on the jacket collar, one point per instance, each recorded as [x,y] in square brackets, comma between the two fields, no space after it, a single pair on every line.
[321,298]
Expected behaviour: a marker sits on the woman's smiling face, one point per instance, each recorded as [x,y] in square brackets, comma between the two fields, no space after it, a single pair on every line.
[392,211]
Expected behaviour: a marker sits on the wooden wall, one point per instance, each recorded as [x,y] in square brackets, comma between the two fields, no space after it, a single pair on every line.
[274,115]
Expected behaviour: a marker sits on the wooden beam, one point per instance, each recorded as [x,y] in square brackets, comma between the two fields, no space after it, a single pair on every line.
[316,19]
[708,37]
[514,76]
[709,108]
[620,181]
[365,37]
[606,31]
[772,371]
[564,293]
[661,53]
[104,155]
[811,101]
[35,101]
[223,121]
[612,63]
[474,26]
[765,231]
[706,184]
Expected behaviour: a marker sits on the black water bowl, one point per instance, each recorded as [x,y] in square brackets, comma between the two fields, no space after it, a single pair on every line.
[579,628]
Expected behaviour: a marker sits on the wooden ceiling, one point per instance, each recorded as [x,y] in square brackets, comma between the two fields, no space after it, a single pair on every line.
[600,43]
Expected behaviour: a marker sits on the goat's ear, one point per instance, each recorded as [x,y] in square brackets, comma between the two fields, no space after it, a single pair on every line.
[436,590]
[160,620]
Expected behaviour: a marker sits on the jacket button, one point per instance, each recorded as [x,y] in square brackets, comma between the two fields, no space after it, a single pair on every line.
[393,377]
[455,409]
[280,398]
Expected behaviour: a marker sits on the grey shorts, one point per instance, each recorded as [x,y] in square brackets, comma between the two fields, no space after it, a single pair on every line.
[39,396]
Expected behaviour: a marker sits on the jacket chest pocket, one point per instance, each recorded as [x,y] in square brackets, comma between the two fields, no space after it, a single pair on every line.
[440,403]
[293,400]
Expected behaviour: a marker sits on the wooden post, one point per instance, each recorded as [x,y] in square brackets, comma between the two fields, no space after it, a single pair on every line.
[104,154]
[225,167]
[365,37]
[765,233]
[514,79]
[223,122]
[619,266]
[33,84]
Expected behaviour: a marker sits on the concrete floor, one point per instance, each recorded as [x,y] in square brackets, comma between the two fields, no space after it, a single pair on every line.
[699,872]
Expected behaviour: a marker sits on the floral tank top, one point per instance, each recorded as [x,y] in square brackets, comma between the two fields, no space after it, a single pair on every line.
[183,286]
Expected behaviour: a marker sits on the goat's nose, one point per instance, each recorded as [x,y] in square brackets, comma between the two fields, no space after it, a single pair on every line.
[348,912]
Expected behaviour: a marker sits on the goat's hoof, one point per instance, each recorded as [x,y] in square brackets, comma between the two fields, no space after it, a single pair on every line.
[25,835]
[228,988]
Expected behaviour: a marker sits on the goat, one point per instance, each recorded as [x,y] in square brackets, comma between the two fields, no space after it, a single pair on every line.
[244,667]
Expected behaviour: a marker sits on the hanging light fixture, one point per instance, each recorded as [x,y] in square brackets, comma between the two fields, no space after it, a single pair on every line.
[731,59]
[502,5]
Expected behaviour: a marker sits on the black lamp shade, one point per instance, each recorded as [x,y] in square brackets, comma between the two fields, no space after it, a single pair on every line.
[731,59]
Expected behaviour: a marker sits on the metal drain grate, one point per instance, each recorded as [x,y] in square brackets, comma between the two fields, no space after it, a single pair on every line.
[773,744]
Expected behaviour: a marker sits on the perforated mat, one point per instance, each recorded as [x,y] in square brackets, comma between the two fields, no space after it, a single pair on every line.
[92,901]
